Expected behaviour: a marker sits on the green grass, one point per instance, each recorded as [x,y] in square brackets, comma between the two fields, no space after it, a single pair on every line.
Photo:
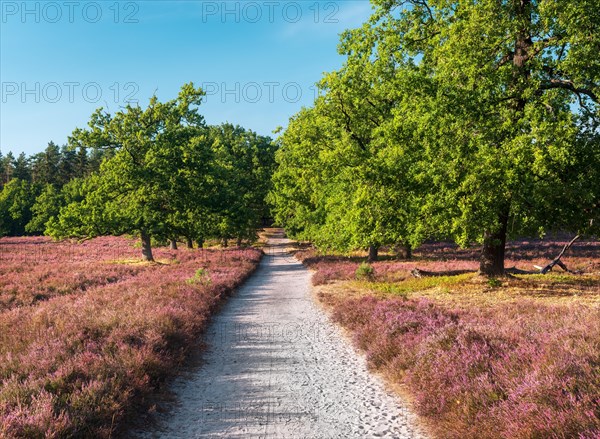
[200,277]
[412,285]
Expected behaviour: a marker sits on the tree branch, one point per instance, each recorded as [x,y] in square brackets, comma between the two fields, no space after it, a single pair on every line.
[569,85]
[348,128]
[557,261]
[424,4]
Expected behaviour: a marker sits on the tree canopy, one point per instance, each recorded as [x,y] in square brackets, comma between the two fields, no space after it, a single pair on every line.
[162,173]
[475,121]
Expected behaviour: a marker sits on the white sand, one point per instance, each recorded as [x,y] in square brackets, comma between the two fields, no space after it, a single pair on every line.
[275,367]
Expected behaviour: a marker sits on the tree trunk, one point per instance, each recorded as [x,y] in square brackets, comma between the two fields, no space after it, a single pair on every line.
[200,243]
[522,55]
[494,242]
[373,253]
[225,242]
[173,244]
[189,242]
[146,246]
[491,262]
[239,242]
[492,255]
[404,251]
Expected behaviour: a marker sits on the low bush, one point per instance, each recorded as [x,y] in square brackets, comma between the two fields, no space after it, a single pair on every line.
[365,271]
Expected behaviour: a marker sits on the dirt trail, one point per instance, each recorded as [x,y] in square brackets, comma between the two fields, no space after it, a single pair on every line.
[275,367]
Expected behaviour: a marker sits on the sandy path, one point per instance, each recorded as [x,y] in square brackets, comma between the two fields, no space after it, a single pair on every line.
[275,367]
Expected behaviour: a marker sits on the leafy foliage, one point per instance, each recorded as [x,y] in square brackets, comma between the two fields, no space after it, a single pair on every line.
[476,121]
[159,172]
[365,271]
[16,199]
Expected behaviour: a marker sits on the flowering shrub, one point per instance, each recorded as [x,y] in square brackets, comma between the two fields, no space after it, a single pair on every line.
[517,358]
[516,370]
[74,362]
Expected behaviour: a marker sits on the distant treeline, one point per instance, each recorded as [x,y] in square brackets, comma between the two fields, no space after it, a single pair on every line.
[23,179]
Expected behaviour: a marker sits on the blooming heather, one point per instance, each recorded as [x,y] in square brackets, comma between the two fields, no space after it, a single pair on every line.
[516,370]
[86,334]
[520,359]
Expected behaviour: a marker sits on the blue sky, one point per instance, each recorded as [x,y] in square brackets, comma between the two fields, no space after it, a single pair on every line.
[59,60]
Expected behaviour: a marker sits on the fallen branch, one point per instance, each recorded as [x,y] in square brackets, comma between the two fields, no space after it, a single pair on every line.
[557,261]
[515,270]
[417,272]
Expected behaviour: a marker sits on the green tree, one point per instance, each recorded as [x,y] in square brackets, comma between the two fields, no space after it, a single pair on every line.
[16,199]
[67,166]
[95,157]
[45,165]
[192,190]
[340,182]
[298,195]
[133,191]
[8,167]
[244,163]
[375,196]
[45,209]
[315,182]
[82,167]
[85,210]
[502,90]
[21,168]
